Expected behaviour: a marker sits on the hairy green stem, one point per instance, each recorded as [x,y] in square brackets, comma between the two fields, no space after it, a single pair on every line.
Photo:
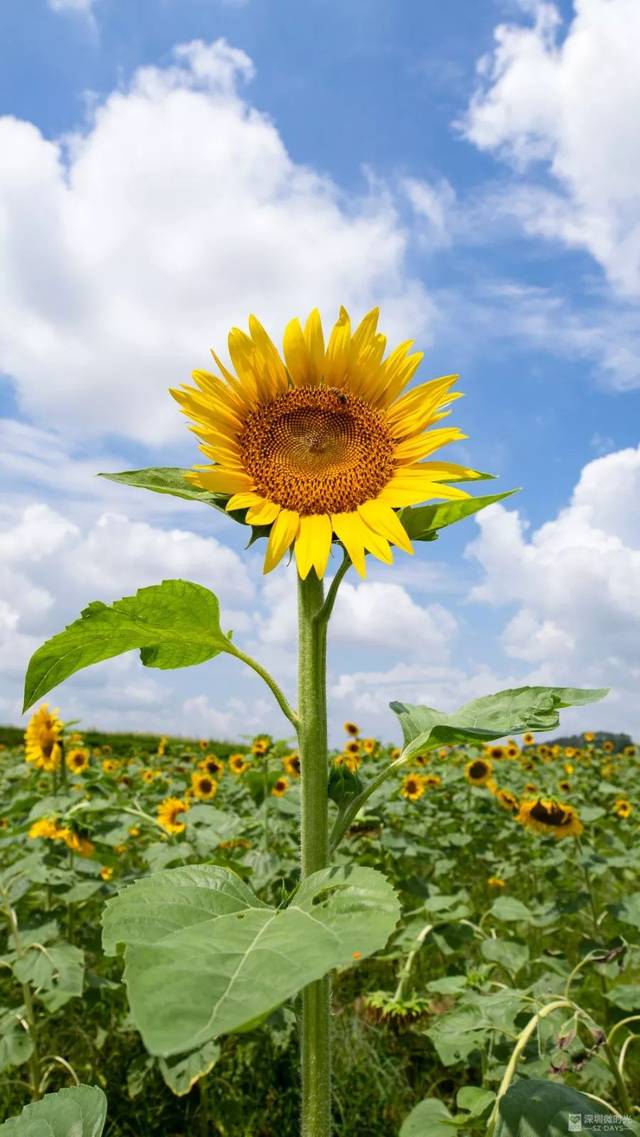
[523,1039]
[314,841]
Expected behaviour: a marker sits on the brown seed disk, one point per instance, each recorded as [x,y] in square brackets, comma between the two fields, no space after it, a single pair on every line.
[553,815]
[317,450]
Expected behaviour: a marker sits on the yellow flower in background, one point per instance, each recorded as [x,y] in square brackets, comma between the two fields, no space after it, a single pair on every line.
[42,739]
[238,764]
[168,813]
[564,787]
[291,763]
[44,827]
[352,747]
[162,745]
[280,788]
[496,882]
[203,786]
[588,736]
[325,442]
[431,781]
[630,751]
[568,768]
[478,772]
[569,751]
[531,788]
[106,873]
[496,753]
[395,753]
[513,750]
[214,765]
[149,776]
[420,759]
[622,807]
[608,746]
[551,818]
[351,728]
[260,747]
[111,765]
[369,745]
[203,744]
[413,787]
[528,739]
[351,761]
[507,800]
[77,760]
[80,845]
[134,831]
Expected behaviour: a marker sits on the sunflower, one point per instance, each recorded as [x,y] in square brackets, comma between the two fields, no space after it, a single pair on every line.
[148,776]
[513,750]
[496,753]
[238,764]
[351,761]
[528,739]
[134,831]
[291,765]
[42,739]
[531,788]
[432,781]
[77,760]
[496,882]
[111,765]
[569,768]
[369,745]
[395,753]
[420,759]
[478,772]
[564,787]
[325,442]
[204,786]
[351,728]
[162,746]
[507,800]
[168,812]
[630,751]
[588,736]
[106,872]
[552,818]
[280,787]
[413,787]
[80,845]
[608,746]
[44,827]
[622,807]
[203,744]
[215,766]
[259,747]
[352,747]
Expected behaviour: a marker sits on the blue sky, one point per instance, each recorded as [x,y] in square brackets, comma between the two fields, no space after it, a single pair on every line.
[474,168]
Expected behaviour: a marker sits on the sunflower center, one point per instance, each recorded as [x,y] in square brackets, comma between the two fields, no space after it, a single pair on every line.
[550,815]
[317,450]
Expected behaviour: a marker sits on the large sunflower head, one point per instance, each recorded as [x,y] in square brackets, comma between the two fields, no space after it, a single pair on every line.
[551,818]
[323,443]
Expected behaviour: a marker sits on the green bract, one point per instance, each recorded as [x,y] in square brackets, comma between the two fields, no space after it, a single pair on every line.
[79,1111]
[204,956]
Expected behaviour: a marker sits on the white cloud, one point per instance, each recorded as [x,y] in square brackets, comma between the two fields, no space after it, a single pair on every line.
[133,246]
[575,583]
[567,106]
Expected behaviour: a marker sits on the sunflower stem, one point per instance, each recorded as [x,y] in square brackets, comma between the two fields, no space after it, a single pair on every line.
[276,690]
[314,838]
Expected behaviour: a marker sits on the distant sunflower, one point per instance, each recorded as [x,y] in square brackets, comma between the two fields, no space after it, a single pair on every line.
[238,764]
[213,765]
[43,827]
[351,728]
[507,800]
[259,747]
[622,807]
[564,787]
[351,761]
[420,759]
[77,760]
[369,745]
[323,443]
[608,746]
[496,753]
[528,739]
[203,744]
[512,750]
[432,781]
[149,776]
[589,736]
[630,751]
[168,813]
[478,772]
[352,747]
[569,751]
[496,882]
[204,786]
[413,787]
[291,765]
[106,872]
[111,765]
[531,788]
[280,787]
[551,818]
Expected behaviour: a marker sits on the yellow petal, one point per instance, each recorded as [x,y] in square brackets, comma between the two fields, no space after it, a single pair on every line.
[338,350]
[263,514]
[381,518]
[224,481]
[283,532]
[412,449]
[348,529]
[313,544]
[314,339]
[296,354]
[243,501]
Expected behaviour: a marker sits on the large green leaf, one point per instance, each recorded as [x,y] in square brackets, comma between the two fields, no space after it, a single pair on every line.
[514,711]
[536,1108]
[204,956]
[79,1111]
[430,1118]
[422,522]
[169,480]
[174,624]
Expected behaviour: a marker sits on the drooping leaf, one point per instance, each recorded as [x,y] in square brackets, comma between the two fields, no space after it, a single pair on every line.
[78,1111]
[513,711]
[204,956]
[173,624]
[16,1045]
[430,1118]
[423,521]
[535,1106]
[181,1073]
[168,480]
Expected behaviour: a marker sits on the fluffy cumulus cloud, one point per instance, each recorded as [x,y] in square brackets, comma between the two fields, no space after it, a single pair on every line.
[574,582]
[557,102]
[133,245]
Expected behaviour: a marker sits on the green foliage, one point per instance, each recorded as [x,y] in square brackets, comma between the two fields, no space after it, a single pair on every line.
[513,711]
[204,956]
[168,480]
[430,1118]
[422,522]
[174,624]
[79,1111]
[533,1106]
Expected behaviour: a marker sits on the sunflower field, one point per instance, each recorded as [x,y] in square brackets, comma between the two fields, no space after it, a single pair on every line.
[516,945]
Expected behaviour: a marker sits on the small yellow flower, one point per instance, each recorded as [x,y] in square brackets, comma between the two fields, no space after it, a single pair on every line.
[134,831]
[413,787]
[203,744]
[622,807]
[120,850]
[588,736]
[478,772]
[291,764]
[569,751]
[420,759]
[564,787]
[443,752]
[528,739]
[551,818]
[352,747]
[280,788]
[496,882]
[513,751]
[106,873]
[568,768]
[259,747]
[608,746]
[42,739]
[168,812]
[80,845]
[531,788]
[351,761]
[496,753]
[507,800]
[432,781]
[213,765]
[351,728]
[203,786]
[369,745]
[395,753]
[111,765]
[630,751]
[238,764]
[149,776]
[77,760]
[44,827]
